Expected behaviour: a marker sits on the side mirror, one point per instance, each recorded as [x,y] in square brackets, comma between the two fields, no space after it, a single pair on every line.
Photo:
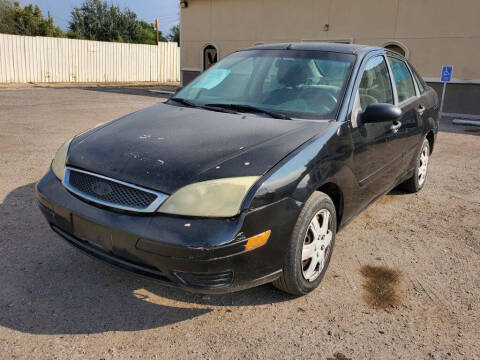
[377,113]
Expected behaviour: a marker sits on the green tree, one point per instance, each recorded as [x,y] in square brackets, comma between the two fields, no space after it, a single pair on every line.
[7,24]
[96,20]
[174,34]
[28,20]
[147,34]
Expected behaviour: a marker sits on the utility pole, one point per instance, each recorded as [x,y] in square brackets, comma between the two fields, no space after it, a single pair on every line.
[156,29]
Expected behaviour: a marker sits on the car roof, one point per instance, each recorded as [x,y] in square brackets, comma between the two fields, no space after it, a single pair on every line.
[318,46]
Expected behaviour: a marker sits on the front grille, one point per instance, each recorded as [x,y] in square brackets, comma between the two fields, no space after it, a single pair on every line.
[112,193]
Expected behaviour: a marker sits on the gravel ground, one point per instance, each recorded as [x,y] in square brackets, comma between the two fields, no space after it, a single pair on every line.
[57,303]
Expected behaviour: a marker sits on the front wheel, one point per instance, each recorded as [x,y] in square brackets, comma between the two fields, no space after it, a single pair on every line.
[310,247]
[417,181]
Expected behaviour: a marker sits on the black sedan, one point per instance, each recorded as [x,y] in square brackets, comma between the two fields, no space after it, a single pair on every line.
[245,176]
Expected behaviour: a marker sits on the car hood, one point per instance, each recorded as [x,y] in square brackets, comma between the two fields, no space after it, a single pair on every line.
[166,147]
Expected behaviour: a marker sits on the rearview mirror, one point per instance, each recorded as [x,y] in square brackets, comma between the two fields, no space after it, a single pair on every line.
[376,113]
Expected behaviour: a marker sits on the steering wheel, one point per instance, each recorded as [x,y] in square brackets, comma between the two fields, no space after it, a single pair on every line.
[316,97]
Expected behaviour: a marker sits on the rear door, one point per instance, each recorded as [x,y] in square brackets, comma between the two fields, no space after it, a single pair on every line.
[409,134]
[428,105]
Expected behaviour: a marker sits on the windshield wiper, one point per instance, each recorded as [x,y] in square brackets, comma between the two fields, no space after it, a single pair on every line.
[251,109]
[185,102]
[206,107]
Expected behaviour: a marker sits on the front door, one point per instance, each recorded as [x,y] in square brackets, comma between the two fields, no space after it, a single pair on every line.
[373,155]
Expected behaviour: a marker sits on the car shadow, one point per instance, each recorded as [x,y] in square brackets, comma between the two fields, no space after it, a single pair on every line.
[398,192]
[48,287]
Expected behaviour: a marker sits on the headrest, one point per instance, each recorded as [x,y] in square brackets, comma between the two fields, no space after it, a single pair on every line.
[367,80]
[292,73]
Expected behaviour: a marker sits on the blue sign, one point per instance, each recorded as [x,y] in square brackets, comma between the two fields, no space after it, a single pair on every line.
[447,72]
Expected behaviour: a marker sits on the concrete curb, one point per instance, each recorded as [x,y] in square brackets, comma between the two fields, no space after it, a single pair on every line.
[165,92]
[466,122]
[462,116]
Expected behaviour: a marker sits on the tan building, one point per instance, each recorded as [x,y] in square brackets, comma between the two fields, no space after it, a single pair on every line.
[430,33]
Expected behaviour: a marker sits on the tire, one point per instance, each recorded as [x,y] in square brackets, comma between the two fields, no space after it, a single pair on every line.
[419,177]
[298,278]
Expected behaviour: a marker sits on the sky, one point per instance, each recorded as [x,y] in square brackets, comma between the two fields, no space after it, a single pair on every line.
[167,11]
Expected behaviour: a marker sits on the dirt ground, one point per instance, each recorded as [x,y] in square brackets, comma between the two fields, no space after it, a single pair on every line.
[57,303]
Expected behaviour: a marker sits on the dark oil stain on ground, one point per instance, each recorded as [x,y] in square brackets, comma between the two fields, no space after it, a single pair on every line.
[380,286]
[338,356]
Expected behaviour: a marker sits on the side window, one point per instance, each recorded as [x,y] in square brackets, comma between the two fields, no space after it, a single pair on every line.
[419,80]
[375,86]
[403,79]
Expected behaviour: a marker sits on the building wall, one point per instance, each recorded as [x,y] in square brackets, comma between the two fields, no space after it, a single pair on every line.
[435,32]
[460,98]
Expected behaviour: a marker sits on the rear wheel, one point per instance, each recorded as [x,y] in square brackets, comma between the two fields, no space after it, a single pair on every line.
[417,181]
[310,247]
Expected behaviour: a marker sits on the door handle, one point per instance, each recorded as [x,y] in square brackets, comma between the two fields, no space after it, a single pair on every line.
[421,109]
[395,126]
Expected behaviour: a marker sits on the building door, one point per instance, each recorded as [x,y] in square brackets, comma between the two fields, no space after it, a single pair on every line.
[210,56]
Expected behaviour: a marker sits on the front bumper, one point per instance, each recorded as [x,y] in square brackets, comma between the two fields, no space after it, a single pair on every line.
[199,255]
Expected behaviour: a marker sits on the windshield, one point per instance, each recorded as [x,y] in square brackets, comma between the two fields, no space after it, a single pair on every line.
[301,84]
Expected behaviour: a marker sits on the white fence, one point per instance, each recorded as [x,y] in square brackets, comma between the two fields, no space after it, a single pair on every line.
[43,59]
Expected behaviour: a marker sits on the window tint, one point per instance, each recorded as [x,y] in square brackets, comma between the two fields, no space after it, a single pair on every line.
[403,79]
[375,86]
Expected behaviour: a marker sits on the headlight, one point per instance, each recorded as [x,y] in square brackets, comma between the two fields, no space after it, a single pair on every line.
[214,198]
[60,159]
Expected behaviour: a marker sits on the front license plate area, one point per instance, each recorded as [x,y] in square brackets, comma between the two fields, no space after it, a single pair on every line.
[92,233]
